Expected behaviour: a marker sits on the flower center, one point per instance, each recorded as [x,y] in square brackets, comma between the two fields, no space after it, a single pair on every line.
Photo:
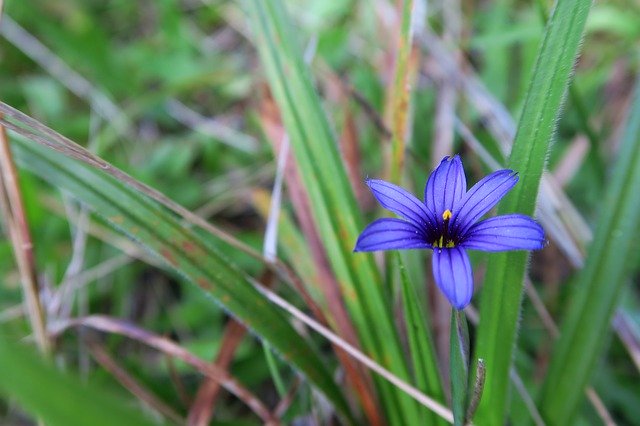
[445,241]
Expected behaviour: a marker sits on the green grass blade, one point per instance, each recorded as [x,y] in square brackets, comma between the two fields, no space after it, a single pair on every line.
[502,293]
[423,355]
[31,381]
[598,287]
[185,252]
[334,209]
[459,363]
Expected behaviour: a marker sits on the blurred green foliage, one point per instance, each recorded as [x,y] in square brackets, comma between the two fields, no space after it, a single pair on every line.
[142,57]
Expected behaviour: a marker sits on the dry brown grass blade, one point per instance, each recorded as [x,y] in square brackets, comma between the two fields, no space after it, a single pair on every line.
[357,376]
[398,95]
[166,346]
[131,384]
[17,227]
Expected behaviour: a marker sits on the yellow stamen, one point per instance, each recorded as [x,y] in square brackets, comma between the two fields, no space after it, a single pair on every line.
[444,241]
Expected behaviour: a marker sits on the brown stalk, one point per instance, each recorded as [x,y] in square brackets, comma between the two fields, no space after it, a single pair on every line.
[17,227]
[131,384]
[358,377]
[203,407]
[162,344]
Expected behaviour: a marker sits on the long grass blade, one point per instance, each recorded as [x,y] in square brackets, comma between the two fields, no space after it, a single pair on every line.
[423,355]
[183,251]
[334,208]
[502,293]
[599,284]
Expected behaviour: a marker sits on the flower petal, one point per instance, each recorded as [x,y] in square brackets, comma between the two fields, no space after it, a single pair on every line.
[452,272]
[401,202]
[507,232]
[390,234]
[481,198]
[446,185]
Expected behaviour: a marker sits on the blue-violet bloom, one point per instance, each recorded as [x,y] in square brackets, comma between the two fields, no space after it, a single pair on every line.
[447,223]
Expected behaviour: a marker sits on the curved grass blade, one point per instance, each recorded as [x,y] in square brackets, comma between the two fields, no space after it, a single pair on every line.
[183,251]
[502,293]
[55,397]
[334,208]
[598,287]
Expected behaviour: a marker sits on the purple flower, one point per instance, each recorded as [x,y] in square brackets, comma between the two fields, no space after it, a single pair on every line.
[447,223]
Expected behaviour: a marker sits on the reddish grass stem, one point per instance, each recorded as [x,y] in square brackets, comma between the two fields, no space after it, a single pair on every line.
[17,227]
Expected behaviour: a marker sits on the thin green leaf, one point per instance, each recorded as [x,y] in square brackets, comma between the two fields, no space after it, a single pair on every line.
[502,293]
[184,251]
[31,381]
[599,284]
[334,209]
[423,356]
[459,363]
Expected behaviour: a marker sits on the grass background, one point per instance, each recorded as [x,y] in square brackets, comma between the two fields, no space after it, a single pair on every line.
[194,98]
